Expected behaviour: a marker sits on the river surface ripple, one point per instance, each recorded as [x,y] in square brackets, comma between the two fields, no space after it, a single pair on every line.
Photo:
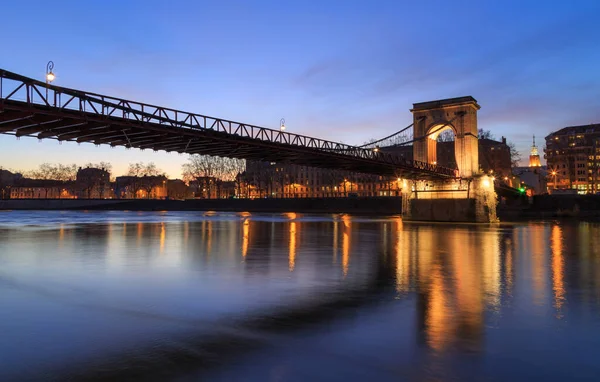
[288,297]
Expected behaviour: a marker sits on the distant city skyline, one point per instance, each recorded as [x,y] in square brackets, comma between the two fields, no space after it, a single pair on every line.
[341,71]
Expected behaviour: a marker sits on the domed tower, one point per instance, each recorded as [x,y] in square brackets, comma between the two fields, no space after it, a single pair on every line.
[534,156]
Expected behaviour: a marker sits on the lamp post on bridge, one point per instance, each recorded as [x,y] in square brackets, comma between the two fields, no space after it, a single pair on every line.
[282,124]
[49,76]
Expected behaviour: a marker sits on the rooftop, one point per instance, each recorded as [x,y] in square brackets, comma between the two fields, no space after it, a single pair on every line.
[583,129]
[458,101]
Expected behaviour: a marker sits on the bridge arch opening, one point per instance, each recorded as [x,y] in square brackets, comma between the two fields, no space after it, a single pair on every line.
[441,138]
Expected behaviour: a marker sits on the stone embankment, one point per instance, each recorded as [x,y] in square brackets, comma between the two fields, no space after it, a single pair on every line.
[371,206]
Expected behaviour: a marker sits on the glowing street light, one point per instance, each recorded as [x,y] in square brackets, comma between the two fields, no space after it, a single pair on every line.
[376,149]
[49,76]
[282,124]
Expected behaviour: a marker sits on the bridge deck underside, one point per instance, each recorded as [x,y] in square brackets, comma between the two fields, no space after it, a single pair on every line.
[25,119]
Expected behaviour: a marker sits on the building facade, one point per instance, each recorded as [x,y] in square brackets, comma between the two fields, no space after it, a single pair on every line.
[494,156]
[141,187]
[25,188]
[93,183]
[178,190]
[210,187]
[573,159]
[279,180]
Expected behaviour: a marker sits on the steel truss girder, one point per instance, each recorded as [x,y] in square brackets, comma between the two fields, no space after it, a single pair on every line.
[101,113]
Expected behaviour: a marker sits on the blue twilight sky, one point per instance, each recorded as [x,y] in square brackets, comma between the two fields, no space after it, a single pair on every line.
[345,70]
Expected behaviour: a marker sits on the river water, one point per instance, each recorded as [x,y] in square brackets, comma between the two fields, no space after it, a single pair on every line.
[290,297]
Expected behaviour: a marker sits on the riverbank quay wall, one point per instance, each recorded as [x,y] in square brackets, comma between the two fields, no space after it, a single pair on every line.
[518,208]
[360,205]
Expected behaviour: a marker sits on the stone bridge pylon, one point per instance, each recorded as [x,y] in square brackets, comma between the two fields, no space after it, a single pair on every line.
[470,197]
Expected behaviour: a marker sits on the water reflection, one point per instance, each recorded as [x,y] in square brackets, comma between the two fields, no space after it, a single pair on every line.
[346,232]
[245,233]
[506,247]
[461,273]
[335,240]
[292,260]
[463,286]
[162,237]
[558,285]
[538,245]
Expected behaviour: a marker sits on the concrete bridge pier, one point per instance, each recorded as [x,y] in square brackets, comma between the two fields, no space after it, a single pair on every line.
[471,200]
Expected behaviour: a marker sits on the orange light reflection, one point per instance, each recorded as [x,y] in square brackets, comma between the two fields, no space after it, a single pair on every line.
[245,233]
[292,257]
[558,285]
[162,237]
[346,244]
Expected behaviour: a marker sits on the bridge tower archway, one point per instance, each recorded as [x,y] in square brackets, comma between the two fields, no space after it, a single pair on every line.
[434,117]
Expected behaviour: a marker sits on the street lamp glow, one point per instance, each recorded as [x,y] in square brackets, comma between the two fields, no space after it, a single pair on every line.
[485,182]
[376,149]
[49,74]
[282,124]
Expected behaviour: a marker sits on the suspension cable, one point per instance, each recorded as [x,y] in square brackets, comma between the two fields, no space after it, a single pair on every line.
[430,133]
[388,137]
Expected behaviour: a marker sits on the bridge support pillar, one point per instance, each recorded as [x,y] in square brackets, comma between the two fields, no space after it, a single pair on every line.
[459,200]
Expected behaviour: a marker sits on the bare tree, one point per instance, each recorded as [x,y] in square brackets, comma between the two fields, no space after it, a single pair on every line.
[485,134]
[200,168]
[234,167]
[145,177]
[209,171]
[446,136]
[403,138]
[515,155]
[45,171]
[232,170]
[141,169]
[97,182]
[57,172]
[66,173]
[106,166]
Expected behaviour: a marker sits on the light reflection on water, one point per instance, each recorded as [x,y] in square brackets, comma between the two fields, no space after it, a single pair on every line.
[450,302]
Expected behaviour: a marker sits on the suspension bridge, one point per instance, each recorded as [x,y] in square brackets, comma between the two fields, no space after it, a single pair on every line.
[29,107]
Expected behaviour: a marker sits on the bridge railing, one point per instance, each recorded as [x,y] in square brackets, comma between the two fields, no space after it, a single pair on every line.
[51,98]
